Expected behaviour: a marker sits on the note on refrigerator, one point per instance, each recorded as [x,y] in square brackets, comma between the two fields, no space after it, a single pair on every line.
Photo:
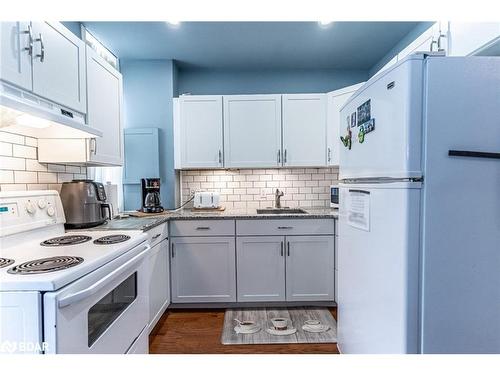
[358,209]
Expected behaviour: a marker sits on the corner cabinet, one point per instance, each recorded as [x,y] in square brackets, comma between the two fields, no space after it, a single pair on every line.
[104,113]
[252,131]
[104,110]
[201,131]
[203,269]
[304,130]
[335,125]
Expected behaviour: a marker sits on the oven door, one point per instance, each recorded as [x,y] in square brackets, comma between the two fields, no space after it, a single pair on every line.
[104,311]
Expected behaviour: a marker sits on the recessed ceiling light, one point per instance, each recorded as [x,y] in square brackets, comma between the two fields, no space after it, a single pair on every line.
[173,23]
[324,23]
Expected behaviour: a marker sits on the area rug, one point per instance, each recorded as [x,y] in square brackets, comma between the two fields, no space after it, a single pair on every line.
[261,316]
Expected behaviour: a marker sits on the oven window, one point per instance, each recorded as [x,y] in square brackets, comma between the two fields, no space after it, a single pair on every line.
[105,312]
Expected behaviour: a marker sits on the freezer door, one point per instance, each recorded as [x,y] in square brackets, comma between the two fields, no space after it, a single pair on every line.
[461,236]
[391,103]
[378,256]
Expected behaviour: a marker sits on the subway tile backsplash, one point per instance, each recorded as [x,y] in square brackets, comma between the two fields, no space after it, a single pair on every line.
[254,188]
[20,170]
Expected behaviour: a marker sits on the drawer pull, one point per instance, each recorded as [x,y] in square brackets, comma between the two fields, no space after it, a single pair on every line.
[202,228]
[156,236]
[285,227]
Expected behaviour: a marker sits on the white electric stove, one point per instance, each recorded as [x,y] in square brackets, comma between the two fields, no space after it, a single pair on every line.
[75,292]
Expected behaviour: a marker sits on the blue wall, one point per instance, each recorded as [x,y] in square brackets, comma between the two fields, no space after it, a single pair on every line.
[148,89]
[402,44]
[225,82]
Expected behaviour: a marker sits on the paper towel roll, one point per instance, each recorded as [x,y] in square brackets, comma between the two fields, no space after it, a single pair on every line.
[112,197]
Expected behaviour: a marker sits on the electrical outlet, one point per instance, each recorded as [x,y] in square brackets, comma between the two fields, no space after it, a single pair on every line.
[263,194]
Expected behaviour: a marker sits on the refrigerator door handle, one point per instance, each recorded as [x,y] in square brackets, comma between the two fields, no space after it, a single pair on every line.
[474,154]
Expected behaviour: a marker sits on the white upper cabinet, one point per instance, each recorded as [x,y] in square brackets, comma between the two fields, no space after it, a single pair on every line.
[252,131]
[201,131]
[104,110]
[469,38]
[15,53]
[335,100]
[304,130]
[59,65]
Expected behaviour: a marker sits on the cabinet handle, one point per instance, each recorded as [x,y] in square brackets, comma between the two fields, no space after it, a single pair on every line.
[284,157]
[30,40]
[220,157]
[288,248]
[279,156]
[285,227]
[156,236]
[329,154]
[42,48]
[282,245]
[173,251]
[202,228]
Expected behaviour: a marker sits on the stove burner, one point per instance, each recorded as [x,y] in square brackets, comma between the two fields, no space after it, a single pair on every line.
[4,262]
[66,240]
[45,265]
[111,239]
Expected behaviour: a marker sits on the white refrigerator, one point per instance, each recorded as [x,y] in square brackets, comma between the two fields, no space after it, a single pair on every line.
[419,217]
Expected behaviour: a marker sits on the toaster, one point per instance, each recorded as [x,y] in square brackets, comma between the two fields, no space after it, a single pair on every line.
[206,199]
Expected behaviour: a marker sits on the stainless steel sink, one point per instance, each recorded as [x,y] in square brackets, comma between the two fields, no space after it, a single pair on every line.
[280,211]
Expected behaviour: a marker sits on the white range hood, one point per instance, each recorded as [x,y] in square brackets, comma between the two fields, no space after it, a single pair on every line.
[24,113]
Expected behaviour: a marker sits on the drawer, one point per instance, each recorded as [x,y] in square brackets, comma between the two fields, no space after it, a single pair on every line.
[184,228]
[284,227]
[157,234]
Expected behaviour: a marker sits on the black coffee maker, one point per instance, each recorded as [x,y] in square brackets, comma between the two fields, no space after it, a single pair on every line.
[151,202]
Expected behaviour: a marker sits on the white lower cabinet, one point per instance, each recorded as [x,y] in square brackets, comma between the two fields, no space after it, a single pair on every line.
[261,268]
[203,269]
[285,268]
[159,282]
[310,268]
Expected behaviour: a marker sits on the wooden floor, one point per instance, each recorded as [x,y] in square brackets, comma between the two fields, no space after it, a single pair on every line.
[199,332]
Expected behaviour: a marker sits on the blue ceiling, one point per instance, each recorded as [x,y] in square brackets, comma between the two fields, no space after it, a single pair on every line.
[254,45]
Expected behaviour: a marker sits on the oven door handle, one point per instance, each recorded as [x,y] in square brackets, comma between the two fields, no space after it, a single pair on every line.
[94,288]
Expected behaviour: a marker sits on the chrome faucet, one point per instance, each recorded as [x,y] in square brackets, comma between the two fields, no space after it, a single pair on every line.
[277,196]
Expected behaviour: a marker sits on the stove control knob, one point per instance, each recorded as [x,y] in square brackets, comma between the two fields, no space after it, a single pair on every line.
[50,211]
[30,207]
[42,203]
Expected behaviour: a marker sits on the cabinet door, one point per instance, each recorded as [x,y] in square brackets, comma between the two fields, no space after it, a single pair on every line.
[335,125]
[304,130]
[310,268]
[252,131]
[104,110]
[15,53]
[203,269]
[201,131]
[159,282]
[261,268]
[59,65]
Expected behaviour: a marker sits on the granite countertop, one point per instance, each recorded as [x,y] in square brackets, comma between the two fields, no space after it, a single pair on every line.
[146,223]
